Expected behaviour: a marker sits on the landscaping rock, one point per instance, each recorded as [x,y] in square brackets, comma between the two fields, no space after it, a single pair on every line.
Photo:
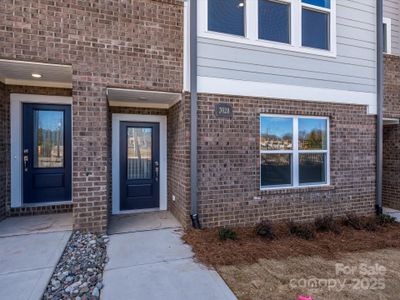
[79,273]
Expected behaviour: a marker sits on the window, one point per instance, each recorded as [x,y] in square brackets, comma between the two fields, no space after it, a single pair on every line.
[274,21]
[307,26]
[315,24]
[294,151]
[387,35]
[226,16]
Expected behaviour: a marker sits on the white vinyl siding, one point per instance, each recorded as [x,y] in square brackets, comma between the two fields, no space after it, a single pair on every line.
[352,69]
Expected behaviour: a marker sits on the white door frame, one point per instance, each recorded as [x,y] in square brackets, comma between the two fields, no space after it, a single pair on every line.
[116,120]
[16,102]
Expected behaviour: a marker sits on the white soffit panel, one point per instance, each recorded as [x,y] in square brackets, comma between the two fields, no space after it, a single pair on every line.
[20,73]
[141,98]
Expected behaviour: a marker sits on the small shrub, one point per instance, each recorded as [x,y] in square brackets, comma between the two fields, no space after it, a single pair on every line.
[371,224]
[265,230]
[304,231]
[327,224]
[226,233]
[354,221]
[385,220]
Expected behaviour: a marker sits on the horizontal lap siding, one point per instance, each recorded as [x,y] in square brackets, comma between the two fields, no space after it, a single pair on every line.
[391,10]
[353,69]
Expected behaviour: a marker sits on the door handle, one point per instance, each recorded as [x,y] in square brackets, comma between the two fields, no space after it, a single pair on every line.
[156,169]
[26,159]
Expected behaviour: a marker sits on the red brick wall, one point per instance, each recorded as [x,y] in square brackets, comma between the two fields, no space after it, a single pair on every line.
[229,164]
[131,44]
[179,160]
[391,134]
[392,86]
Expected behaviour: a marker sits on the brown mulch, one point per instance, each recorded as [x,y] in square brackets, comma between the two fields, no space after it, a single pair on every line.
[249,248]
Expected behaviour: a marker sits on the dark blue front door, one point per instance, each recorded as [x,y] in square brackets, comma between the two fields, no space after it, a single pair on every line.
[46,160]
[139,165]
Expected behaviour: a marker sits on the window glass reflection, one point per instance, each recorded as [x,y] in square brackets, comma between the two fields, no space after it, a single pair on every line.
[312,134]
[48,139]
[276,133]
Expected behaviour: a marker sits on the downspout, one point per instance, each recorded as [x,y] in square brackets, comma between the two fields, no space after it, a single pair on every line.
[193,115]
[380,100]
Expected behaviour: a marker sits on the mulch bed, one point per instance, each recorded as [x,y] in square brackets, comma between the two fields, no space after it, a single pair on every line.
[248,248]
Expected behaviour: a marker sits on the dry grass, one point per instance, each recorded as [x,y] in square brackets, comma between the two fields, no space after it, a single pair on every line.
[273,279]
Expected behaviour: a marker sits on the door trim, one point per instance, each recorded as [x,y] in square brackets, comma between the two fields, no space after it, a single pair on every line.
[116,120]
[16,102]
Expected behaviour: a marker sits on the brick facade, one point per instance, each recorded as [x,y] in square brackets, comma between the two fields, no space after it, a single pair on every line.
[391,134]
[138,44]
[128,44]
[229,163]
[179,160]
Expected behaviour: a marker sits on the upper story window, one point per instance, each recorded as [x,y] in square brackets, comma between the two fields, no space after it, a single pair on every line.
[226,16]
[387,35]
[315,23]
[274,21]
[299,25]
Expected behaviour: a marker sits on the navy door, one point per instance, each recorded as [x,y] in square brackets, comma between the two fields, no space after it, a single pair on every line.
[139,165]
[46,155]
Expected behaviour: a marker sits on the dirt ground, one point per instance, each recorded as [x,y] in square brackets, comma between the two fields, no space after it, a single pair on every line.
[356,264]
[349,276]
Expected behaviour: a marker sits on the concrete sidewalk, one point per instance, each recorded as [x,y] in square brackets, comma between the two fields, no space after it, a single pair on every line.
[156,264]
[27,256]
[392,212]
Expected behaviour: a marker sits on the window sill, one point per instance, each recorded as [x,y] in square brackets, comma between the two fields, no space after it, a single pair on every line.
[297,190]
[267,44]
[44,204]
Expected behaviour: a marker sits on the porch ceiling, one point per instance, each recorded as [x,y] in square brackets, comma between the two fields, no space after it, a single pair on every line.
[141,98]
[20,73]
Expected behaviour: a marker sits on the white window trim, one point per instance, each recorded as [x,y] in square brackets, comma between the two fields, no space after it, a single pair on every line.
[116,120]
[295,154]
[388,23]
[251,28]
[16,103]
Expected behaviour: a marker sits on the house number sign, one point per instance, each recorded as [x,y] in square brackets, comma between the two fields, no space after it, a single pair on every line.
[223,110]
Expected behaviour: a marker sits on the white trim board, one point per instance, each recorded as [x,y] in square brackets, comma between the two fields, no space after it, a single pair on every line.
[388,23]
[16,101]
[116,119]
[213,85]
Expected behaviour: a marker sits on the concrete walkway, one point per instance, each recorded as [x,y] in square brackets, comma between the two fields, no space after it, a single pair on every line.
[392,212]
[30,248]
[155,264]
